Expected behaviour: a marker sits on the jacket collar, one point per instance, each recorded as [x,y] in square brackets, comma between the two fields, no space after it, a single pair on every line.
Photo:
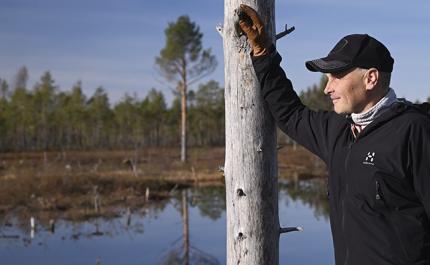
[393,111]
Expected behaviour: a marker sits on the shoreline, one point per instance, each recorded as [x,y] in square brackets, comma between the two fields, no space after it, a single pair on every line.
[67,185]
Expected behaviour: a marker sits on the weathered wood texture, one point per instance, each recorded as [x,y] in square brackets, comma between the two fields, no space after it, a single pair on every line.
[250,165]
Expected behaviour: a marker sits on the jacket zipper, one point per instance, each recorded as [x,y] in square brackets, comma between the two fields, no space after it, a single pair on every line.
[343,199]
[378,196]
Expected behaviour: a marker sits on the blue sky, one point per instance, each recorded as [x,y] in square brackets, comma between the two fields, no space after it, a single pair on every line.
[114,43]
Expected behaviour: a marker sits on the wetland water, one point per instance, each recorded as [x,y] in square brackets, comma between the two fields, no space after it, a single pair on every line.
[155,234]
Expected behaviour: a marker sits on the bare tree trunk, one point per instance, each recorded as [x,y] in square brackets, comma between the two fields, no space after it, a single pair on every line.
[184,124]
[251,163]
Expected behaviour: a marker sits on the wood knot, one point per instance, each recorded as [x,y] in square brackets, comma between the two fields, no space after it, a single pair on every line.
[240,193]
[241,236]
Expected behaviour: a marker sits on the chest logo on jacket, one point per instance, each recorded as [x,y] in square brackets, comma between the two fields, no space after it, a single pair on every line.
[370,157]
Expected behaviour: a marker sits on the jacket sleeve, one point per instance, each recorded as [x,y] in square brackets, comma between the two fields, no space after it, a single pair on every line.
[315,130]
[419,154]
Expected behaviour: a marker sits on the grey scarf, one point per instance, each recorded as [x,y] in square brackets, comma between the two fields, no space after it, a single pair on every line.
[363,119]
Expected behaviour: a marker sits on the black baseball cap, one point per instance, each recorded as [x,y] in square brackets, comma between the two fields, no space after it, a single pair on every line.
[356,50]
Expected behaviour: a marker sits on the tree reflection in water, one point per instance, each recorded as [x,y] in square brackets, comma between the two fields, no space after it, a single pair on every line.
[175,257]
[208,201]
[185,254]
[15,223]
[312,192]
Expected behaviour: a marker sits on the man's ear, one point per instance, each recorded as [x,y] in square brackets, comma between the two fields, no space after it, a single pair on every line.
[371,78]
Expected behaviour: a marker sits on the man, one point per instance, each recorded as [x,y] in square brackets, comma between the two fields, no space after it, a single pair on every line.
[377,148]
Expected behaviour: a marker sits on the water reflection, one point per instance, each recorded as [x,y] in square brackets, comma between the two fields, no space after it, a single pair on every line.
[312,192]
[188,228]
[209,201]
[185,254]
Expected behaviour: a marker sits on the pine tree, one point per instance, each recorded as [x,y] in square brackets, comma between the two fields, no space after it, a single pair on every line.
[183,61]
[100,118]
[43,109]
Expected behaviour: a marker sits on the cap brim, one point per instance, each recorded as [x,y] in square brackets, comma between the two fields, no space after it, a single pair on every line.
[327,66]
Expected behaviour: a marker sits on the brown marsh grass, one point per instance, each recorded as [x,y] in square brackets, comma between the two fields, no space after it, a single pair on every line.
[67,183]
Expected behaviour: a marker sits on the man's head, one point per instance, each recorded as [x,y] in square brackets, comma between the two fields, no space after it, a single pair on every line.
[358,69]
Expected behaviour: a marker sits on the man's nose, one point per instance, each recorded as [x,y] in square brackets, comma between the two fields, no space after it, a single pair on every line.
[327,89]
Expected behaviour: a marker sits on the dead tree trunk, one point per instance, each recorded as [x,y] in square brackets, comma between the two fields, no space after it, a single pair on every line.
[251,163]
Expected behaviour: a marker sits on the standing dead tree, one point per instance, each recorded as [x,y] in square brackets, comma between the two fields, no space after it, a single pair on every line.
[251,161]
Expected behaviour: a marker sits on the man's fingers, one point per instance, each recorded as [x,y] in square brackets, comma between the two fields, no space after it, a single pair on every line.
[244,26]
[251,25]
[249,31]
[252,14]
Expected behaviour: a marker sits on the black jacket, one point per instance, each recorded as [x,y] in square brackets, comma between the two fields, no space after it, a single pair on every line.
[379,184]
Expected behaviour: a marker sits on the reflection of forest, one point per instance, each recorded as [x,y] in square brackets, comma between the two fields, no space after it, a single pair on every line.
[16,224]
[185,253]
[312,192]
[210,202]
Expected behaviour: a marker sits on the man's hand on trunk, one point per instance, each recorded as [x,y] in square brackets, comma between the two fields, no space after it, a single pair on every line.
[253,27]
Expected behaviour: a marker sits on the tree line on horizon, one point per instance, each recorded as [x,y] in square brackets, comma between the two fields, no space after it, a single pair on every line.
[45,118]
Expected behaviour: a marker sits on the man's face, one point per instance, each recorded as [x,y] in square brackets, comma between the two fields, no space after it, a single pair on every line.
[347,91]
